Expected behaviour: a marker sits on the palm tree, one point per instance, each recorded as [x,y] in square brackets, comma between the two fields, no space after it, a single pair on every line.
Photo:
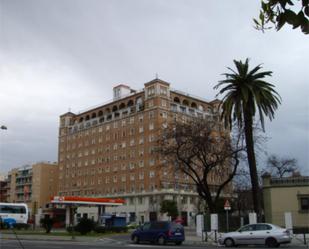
[245,92]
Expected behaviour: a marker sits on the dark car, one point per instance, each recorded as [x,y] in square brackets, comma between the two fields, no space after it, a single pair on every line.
[160,232]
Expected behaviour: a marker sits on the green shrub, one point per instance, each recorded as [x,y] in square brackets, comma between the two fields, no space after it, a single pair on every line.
[100,229]
[84,226]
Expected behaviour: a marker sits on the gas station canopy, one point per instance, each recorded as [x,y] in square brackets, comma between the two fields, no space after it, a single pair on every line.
[71,200]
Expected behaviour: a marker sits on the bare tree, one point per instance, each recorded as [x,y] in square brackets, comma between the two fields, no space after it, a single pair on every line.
[281,167]
[204,152]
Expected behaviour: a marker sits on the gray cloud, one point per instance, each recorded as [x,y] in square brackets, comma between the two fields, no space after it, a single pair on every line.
[56,55]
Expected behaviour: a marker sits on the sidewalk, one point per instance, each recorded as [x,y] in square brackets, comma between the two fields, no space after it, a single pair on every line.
[51,237]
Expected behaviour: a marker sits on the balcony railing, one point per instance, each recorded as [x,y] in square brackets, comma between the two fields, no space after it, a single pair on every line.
[106,118]
[304,180]
[175,107]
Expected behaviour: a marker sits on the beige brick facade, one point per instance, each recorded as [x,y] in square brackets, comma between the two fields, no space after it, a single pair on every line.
[33,185]
[288,194]
[110,150]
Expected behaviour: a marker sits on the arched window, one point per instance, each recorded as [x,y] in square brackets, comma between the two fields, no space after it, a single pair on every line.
[100,113]
[108,110]
[185,102]
[176,100]
[115,108]
[87,117]
[193,105]
[130,103]
[201,108]
[122,106]
[94,115]
[81,119]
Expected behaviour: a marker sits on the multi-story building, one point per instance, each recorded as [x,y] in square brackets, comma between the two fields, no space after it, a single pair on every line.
[32,184]
[109,150]
[2,188]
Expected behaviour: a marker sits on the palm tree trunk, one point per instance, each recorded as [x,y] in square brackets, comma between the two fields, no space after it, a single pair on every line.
[252,163]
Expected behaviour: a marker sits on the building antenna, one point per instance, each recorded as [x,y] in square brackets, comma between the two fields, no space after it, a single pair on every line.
[157,76]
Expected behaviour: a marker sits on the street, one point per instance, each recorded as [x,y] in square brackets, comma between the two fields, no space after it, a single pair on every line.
[104,243]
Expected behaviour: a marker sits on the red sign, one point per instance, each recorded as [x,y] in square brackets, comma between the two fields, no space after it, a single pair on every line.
[227,205]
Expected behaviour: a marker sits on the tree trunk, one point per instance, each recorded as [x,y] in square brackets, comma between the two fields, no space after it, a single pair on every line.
[206,194]
[252,163]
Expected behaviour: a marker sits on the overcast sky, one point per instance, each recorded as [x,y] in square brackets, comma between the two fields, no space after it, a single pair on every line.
[61,54]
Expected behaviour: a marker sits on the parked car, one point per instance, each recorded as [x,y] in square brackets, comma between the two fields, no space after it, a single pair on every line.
[257,234]
[160,232]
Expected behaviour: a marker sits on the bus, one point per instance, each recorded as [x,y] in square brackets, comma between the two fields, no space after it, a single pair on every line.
[13,213]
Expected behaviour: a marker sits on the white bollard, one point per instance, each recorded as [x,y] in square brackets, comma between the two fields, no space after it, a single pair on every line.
[252,218]
[214,222]
[199,225]
[288,221]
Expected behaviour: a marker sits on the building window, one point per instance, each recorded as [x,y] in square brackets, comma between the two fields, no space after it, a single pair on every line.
[141,152]
[163,90]
[150,103]
[163,103]
[151,174]
[141,140]
[132,142]
[141,164]
[132,177]
[151,162]
[141,175]
[151,91]
[151,126]
[304,203]
[151,138]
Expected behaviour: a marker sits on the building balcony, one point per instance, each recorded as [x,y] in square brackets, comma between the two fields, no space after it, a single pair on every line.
[23,183]
[176,107]
[119,114]
[19,177]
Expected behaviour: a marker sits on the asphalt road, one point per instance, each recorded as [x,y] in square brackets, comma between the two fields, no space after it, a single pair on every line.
[108,243]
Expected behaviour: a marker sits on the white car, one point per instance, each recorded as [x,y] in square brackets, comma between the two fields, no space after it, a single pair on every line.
[257,234]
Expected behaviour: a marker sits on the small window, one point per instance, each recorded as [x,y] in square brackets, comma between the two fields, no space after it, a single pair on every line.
[304,203]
